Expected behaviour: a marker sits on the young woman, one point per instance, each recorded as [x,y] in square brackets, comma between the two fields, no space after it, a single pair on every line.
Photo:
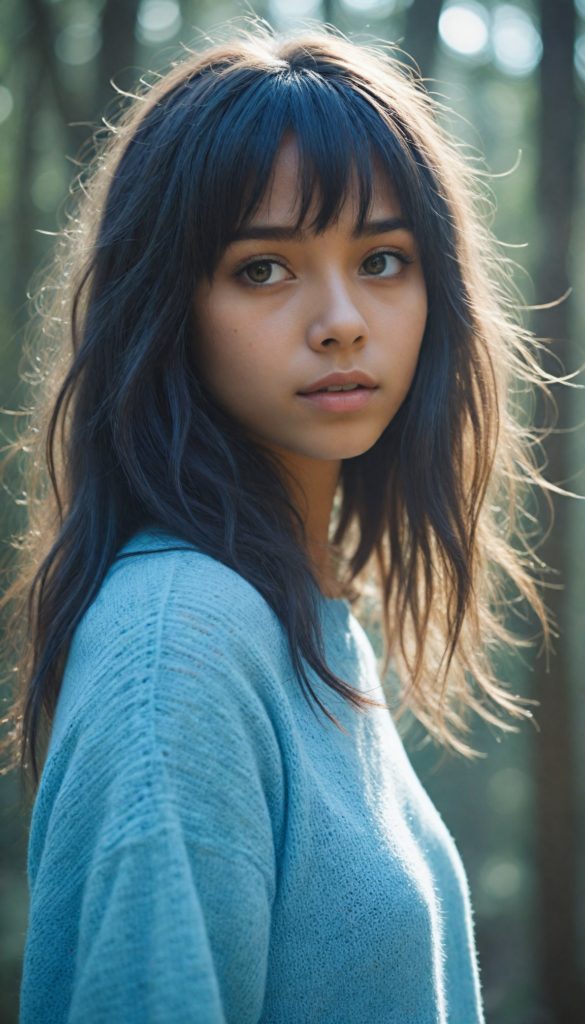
[290,369]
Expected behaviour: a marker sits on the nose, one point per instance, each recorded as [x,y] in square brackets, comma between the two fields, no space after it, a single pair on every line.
[338,322]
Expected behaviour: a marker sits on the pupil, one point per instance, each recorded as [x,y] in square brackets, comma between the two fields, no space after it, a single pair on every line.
[260,272]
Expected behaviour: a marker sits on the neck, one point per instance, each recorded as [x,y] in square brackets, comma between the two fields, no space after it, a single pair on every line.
[312,484]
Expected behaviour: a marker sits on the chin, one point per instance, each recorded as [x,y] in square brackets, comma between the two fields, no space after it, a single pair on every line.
[336,449]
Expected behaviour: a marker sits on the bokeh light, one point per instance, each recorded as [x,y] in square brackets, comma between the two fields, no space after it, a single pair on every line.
[509,790]
[6,103]
[370,8]
[464,29]
[508,36]
[516,41]
[285,12]
[503,108]
[580,57]
[48,189]
[158,21]
[78,43]
[502,879]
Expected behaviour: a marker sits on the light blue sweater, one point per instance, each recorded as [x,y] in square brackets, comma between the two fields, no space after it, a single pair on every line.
[205,849]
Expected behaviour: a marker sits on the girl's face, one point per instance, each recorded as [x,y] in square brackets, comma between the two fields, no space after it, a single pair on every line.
[311,341]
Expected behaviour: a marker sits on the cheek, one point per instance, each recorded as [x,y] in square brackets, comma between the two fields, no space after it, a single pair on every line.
[406,334]
[413,336]
[415,314]
[231,356]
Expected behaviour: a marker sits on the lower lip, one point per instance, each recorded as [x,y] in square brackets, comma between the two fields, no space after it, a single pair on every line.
[340,401]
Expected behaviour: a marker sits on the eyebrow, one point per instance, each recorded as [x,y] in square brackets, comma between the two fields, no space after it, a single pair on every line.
[284,233]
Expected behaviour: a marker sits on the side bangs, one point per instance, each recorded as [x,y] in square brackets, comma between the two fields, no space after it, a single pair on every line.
[345,141]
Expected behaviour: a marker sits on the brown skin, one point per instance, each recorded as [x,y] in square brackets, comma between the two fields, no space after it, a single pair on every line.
[283,311]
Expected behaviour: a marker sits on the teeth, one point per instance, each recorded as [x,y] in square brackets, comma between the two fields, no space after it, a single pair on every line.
[342,387]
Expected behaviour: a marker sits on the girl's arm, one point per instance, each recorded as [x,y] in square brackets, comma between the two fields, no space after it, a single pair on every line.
[152,861]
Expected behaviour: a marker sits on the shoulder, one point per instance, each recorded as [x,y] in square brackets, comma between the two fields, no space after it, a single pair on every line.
[159,581]
[169,703]
[165,608]
[156,570]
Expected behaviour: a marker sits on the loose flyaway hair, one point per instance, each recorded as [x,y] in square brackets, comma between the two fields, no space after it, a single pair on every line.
[124,434]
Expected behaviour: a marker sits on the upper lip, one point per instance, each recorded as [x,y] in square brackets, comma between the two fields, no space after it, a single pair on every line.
[340,377]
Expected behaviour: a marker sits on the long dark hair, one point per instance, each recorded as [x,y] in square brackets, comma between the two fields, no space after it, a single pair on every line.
[133,439]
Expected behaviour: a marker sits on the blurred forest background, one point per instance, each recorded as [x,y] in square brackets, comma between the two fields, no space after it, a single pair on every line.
[514,74]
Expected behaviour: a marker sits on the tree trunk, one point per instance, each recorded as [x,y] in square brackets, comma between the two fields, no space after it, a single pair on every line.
[329,9]
[42,49]
[22,213]
[116,58]
[555,772]
[420,39]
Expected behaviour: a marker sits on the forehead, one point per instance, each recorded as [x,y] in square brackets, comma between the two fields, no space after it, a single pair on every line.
[282,199]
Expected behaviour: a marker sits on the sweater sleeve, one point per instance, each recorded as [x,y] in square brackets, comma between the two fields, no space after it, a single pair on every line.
[152,861]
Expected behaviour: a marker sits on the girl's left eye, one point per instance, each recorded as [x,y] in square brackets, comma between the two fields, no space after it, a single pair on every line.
[265,272]
[381,264]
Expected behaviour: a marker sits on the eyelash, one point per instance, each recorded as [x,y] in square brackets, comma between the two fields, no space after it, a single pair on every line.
[385,251]
[252,263]
[388,251]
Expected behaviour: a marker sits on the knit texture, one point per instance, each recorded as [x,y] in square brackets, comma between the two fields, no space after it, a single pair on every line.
[206,849]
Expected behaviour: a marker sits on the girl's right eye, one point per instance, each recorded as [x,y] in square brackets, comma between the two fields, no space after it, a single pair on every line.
[264,272]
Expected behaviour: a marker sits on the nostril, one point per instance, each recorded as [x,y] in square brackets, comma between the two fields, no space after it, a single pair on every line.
[327,341]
